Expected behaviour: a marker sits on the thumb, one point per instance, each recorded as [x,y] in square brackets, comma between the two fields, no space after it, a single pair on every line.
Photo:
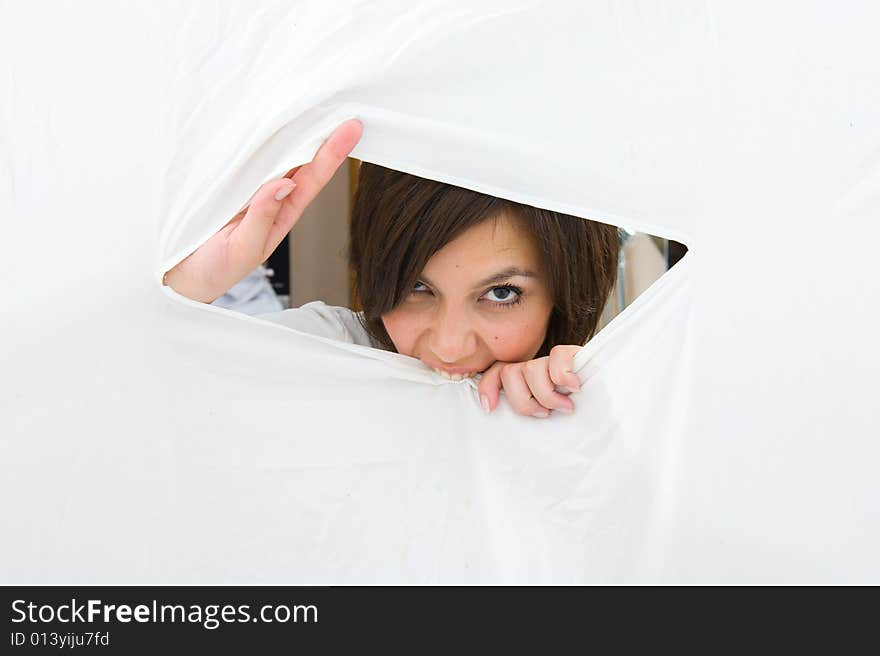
[251,235]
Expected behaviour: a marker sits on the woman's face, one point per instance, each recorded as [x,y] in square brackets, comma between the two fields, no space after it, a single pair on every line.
[482,298]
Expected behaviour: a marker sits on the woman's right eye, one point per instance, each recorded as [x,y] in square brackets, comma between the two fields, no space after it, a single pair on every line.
[419,284]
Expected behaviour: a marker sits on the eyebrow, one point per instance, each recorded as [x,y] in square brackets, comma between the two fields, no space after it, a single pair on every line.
[500,276]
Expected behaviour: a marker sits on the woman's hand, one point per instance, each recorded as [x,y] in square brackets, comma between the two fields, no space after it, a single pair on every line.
[529,386]
[255,232]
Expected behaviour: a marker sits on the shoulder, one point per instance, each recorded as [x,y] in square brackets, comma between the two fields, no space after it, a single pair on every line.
[318,318]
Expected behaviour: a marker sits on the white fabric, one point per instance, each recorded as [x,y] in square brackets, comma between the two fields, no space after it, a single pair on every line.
[727,428]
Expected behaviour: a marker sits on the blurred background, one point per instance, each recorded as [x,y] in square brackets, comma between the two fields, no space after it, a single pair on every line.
[311,263]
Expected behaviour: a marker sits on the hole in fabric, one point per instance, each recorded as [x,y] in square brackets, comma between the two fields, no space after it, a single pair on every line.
[308,283]
[642,260]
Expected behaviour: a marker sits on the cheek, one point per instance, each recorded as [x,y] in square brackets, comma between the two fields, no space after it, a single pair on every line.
[516,341]
[403,330]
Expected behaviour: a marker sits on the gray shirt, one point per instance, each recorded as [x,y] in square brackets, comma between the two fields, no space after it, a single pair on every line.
[318,318]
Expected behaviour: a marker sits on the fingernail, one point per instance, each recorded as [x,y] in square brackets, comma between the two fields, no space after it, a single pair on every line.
[541,414]
[566,410]
[484,401]
[282,193]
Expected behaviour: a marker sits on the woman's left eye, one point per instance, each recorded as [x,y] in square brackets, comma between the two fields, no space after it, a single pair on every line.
[505,295]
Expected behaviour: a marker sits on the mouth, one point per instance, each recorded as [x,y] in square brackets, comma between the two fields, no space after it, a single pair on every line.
[449,376]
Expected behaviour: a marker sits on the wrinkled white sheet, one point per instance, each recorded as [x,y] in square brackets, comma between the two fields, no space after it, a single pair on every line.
[727,429]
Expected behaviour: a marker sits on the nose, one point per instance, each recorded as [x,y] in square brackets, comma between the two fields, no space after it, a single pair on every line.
[452,338]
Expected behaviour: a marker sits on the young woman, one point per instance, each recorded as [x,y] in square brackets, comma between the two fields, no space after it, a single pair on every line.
[467,283]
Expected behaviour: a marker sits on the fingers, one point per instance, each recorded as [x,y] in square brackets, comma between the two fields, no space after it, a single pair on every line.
[245,207]
[510,377]
[561,361]
[519,394]
[531,386]
[312,177]
[489,387]
[250,238]
[537,378]
[274,210]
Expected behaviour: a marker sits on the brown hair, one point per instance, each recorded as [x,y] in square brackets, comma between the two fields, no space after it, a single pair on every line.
[400,220]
